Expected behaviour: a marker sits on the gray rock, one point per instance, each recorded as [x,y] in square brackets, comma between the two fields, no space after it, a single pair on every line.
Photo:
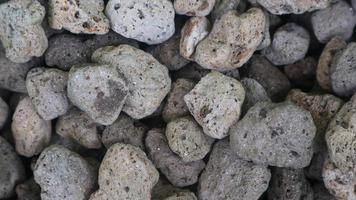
[12,170]
[148,80]
[110,38]
[289,184]
[175,106]
[20,30]
[340,135]
[266,40]
[227,177]
[186,138]
[343,71]
[30,131]
[254,93]
[78,126]
[63,174]
[194,7]
[302,72]
[47,89]
[99,90]
[276,83]
[215,103]
[290,43]
[182,196]
[150,22]
[80,16]
[4,112]
[321,193]
[275,134]
[167,53]
[336,20]
[28,190]
[125,130]
[232,40]
[223,6]
[125,173]
[178,172]
[280,7]
[164,189]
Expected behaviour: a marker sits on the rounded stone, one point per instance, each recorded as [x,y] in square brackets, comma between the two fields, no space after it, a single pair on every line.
[290,43]
[275,134]
[281,7]
[47,89]
[125,173]
[215,103]
[63,174]
[151,21]
[99,90]
[30,131]
[194,7]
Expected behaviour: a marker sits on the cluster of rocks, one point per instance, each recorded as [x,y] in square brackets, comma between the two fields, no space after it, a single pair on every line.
[177,99]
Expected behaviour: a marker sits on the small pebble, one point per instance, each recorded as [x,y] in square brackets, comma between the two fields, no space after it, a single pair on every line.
[281,7]
[186,138]
[125,173]
[148,80]
[99,90]
[4,112]
[215,102]
[254,93]
[78,126]
[178,172]
[28,190]
[47,89]
[80,16]
[175,106]
[323,69]
[302,72]
[337,20]
[290,43]
[63,174]
[151,22]
[12,170]
[199,8]
[227,177]
[275,134]
[30,131]
[125,130]
[21,32]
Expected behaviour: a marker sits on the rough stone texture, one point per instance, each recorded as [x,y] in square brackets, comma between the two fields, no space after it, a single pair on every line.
[336,20]
[164,189]
[28,190]
[254,93]
[148,80]
[125,130]
[325,60]
[186,138]
[340,137]
[167,53]
[13,75]
[322,108]
[340,184]
[280,7]
[63,174]
[99,90]
[175,106]
[182,196]
[215,102]
[12,170]
[302,73]
[227,177]
[275,134]
[194,7]
[193,31]
[343,71]
[151,21]
[223,6]
[125,173]
[78,126]
[47,89]
[80,16]
[290,43]
[21,32]
[4,112]
[289,184]
[266,40]
[178,172]
[321,193]
[276,83]
[232,41]
[31,132]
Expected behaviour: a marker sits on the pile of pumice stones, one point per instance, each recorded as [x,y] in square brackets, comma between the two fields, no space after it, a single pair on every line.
[178,100]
